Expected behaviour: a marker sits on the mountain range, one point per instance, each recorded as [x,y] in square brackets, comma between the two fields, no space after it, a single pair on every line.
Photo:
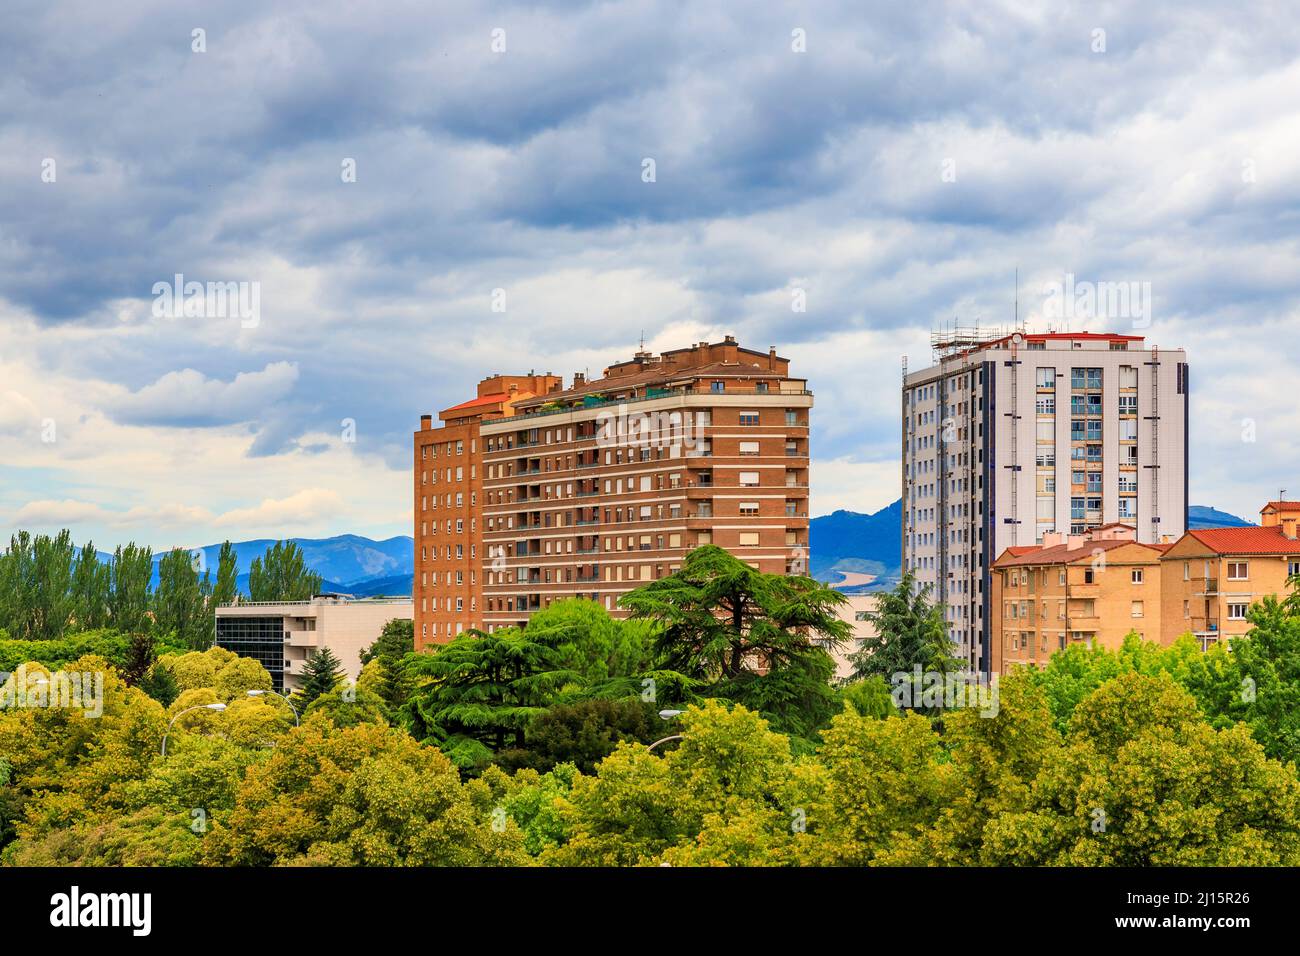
[856,552]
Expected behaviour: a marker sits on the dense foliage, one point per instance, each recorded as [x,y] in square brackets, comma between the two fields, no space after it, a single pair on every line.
[528,746]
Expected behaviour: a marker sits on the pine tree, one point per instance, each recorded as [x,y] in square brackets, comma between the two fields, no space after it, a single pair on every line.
[479,692]
[321,675]
[910,633]
[160,684]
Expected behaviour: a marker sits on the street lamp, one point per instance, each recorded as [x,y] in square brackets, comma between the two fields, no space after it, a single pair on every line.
[259,693]
[666,715]
[217,707]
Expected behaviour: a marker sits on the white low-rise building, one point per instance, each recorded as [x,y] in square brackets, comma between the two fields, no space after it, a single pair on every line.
[282,635]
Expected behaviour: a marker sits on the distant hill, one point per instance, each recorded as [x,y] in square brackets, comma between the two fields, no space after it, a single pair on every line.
[841,542]
[847,541]
[1203,516]
[853,542]
[347,562]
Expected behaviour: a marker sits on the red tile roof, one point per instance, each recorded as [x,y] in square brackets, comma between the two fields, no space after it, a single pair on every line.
[493,399]
[1282,506]
[1252,540]
[1064,554]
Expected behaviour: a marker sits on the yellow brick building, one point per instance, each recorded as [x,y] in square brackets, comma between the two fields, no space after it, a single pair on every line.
[1090,588]
[1211,577]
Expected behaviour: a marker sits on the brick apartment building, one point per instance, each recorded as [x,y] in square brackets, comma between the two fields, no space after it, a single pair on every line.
[532,492]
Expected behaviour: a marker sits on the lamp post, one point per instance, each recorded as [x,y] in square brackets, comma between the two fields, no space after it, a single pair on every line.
[259,693]
[217,707]
[666,715]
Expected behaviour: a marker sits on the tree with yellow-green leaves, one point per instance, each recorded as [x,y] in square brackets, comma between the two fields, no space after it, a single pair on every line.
[726,794]
[360,796]
[1143,780]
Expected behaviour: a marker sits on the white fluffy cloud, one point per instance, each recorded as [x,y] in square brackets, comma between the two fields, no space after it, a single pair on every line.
[305,508]
[188,398]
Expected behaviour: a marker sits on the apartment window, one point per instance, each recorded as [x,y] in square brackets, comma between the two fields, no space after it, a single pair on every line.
[749,448]
[1137,576]
[749,418]
[749,509]
[1237,612]
[1136,609]
[749,538]
[1292,568]
[749,479]
[1187,609]
[1238,570]
[1047,378]
[791,417]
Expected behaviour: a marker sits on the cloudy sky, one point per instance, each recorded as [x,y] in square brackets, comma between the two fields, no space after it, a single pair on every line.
[896,164]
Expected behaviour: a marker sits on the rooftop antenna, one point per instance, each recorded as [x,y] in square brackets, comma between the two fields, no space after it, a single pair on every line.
[1017,297]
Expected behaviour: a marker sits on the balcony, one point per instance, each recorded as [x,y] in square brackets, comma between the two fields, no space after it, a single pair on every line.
[1205,625]
[1209,587]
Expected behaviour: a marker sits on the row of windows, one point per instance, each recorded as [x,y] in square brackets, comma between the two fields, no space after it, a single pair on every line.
[449,448]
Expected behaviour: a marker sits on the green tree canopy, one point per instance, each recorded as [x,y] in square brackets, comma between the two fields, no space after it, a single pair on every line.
[179,604]
[760,639]
[282,575]
[480,690]
[909,632]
